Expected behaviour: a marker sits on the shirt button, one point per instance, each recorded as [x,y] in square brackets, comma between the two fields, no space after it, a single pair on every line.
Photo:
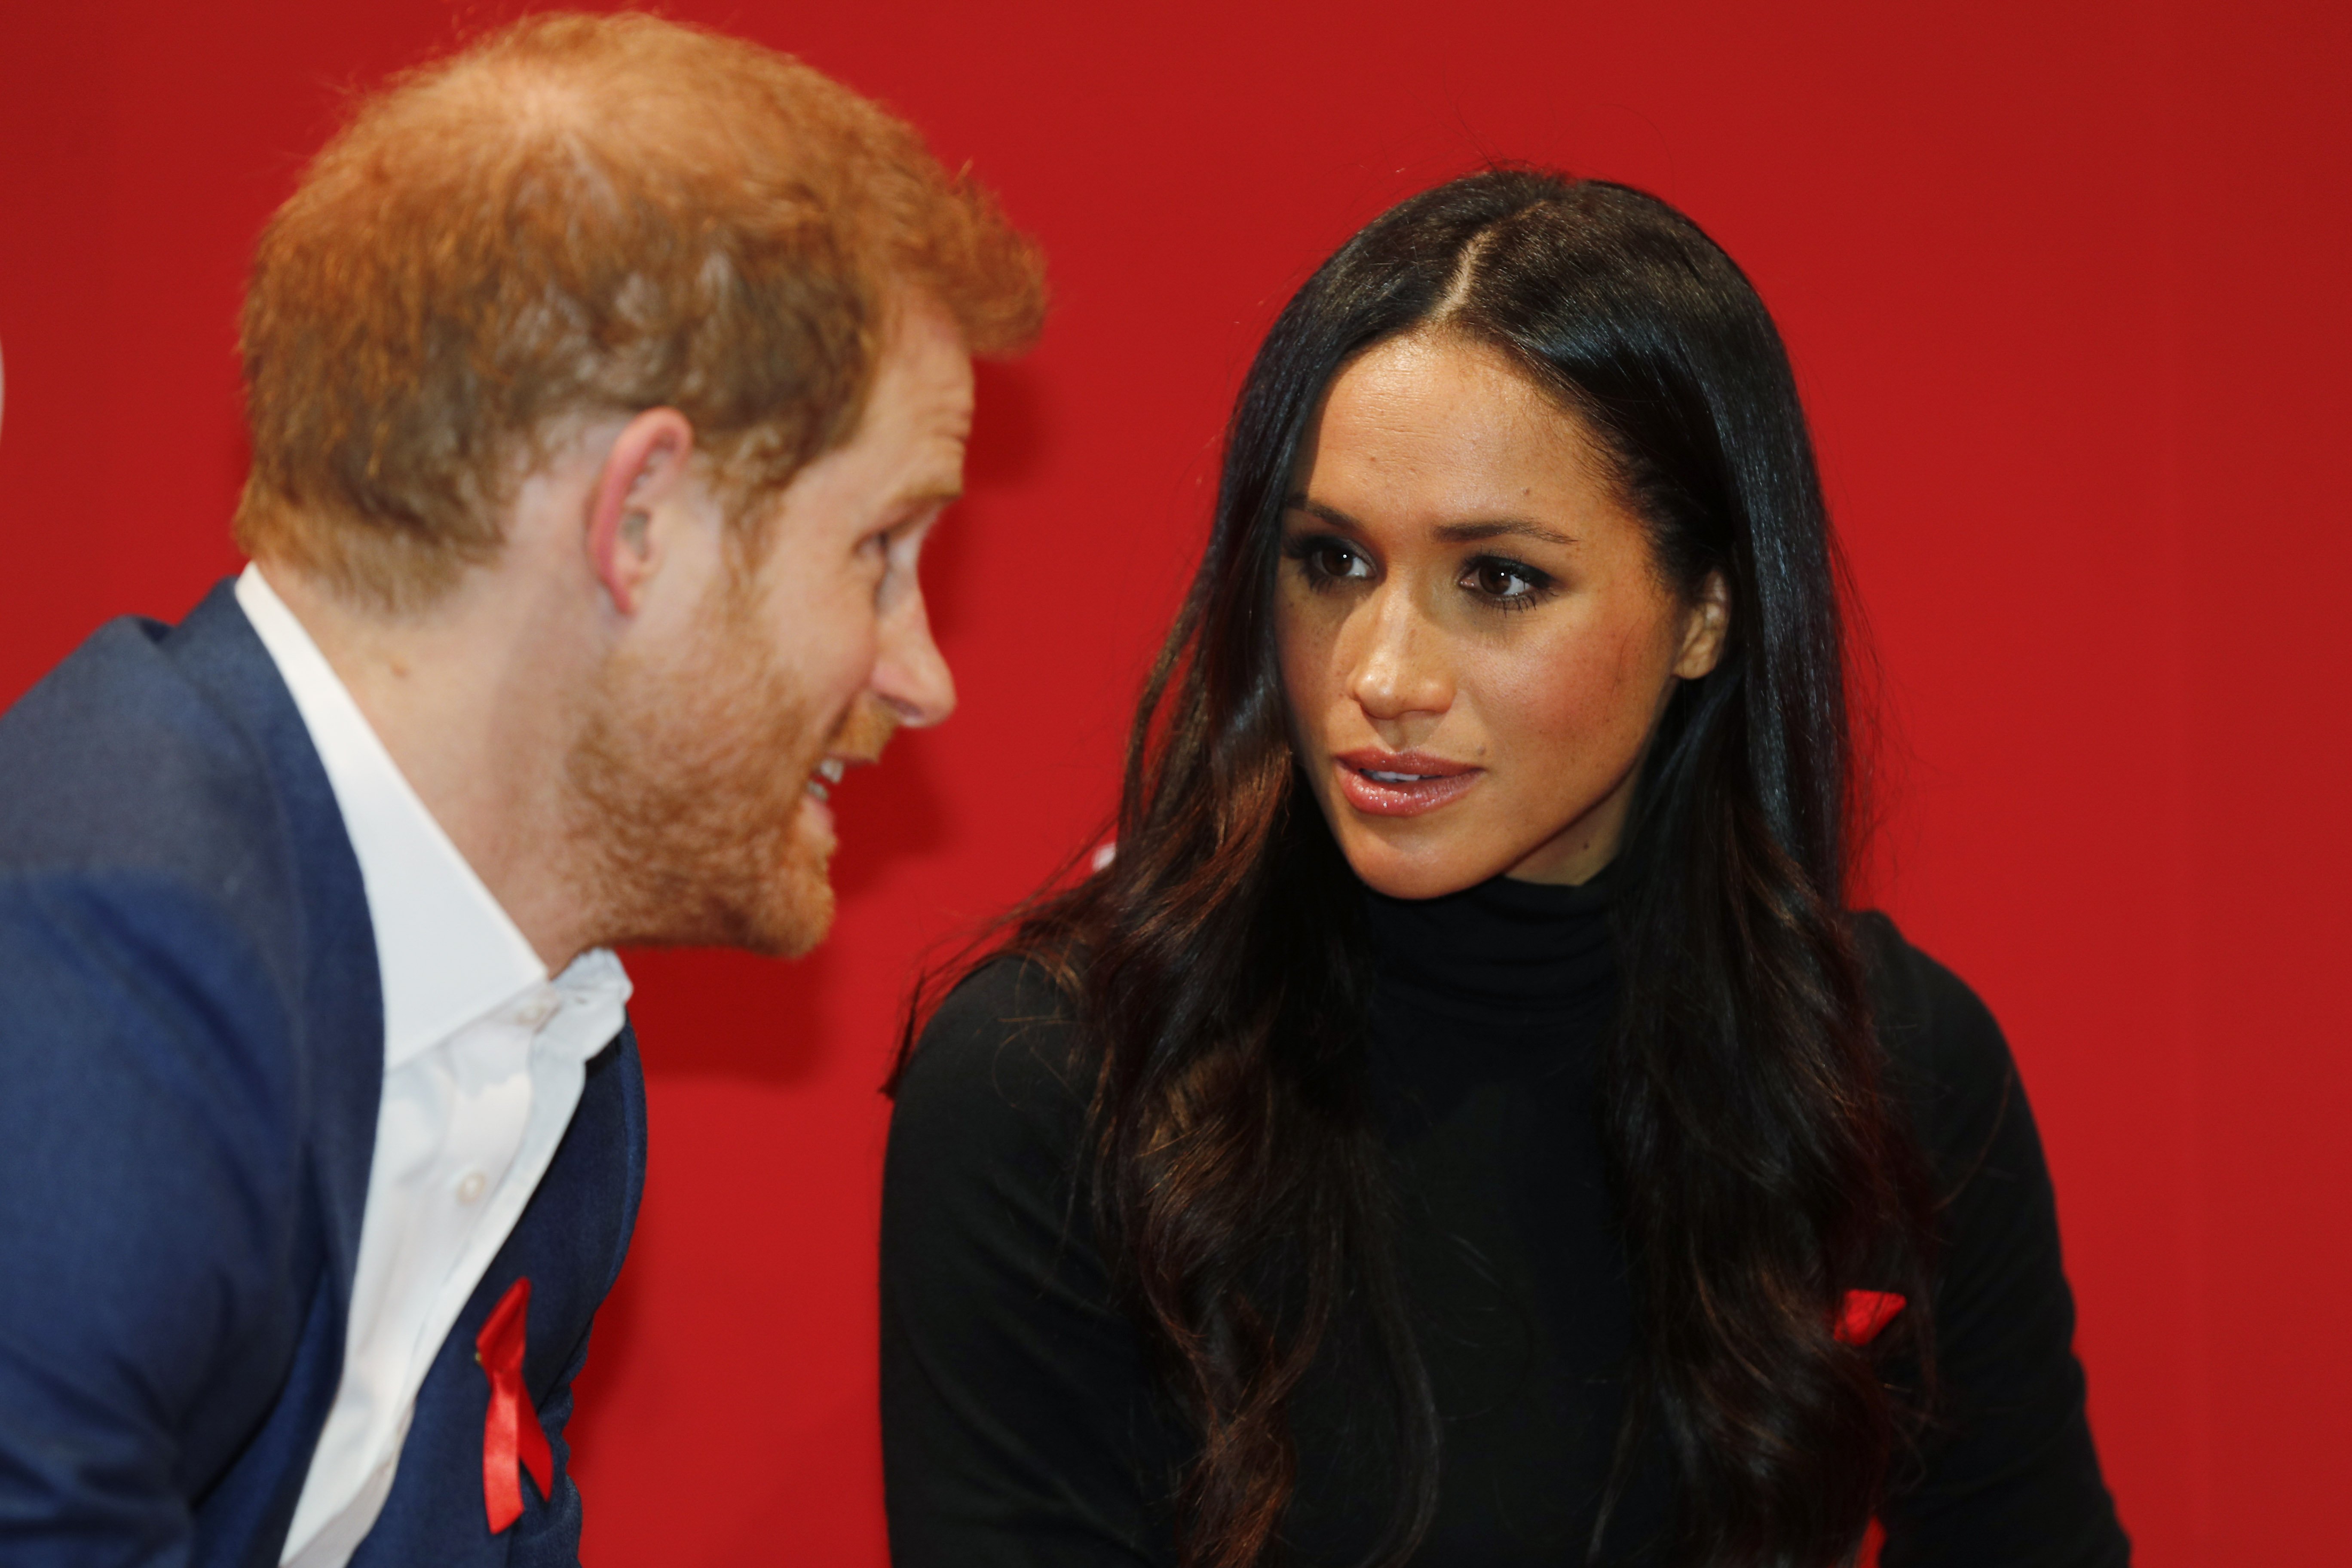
[537,1011]
[470,1185]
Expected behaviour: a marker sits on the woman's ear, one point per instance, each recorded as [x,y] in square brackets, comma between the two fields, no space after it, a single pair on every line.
[1708,623]
[645,467]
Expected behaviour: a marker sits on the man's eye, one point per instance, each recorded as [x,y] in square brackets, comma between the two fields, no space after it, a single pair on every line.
[1506,581]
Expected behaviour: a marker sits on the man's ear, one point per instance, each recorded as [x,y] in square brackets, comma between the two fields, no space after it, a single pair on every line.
[645,466]
[1703,634]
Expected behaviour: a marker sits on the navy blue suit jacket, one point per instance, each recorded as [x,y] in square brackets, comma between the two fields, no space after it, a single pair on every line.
[191,1057]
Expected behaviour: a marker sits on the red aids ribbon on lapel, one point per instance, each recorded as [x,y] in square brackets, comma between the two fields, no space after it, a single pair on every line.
[1865,1313]
[511,1436]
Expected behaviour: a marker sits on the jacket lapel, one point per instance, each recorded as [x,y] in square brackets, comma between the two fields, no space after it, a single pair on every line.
[341,1026]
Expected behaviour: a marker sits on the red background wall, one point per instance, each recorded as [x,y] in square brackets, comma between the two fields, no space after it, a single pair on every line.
[2065,288]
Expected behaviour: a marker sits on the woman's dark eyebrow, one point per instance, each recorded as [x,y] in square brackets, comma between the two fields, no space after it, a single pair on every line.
[1452,532]
[1466,533]
[1297,501]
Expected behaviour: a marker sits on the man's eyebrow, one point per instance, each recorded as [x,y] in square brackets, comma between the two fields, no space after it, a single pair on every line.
[940,495]
[1452,532]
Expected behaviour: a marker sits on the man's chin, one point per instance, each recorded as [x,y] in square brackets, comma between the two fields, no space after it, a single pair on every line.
[804,924]
[797,906]
[814,828]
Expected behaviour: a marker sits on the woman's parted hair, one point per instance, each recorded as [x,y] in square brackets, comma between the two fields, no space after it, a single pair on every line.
[1218,965]
[579,215]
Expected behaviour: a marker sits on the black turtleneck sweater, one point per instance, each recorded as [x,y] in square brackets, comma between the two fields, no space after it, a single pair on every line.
[1022,1428]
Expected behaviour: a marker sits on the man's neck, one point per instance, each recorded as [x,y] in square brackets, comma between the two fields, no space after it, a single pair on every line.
[474,699]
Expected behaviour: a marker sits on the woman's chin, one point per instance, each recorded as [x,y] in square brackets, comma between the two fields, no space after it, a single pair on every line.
[1380,867]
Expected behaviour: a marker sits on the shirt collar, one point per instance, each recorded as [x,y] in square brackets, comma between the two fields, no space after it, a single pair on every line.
[448,952]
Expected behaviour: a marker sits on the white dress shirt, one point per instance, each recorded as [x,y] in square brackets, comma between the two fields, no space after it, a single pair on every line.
[484,1058]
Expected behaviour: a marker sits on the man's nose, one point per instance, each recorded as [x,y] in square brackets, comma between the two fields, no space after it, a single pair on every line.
[1395,659]
[910,674]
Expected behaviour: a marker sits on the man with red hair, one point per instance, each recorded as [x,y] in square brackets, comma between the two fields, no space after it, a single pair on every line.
[604,379]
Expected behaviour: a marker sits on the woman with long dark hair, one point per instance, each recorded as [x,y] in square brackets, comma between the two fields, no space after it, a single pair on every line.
[1462,1123]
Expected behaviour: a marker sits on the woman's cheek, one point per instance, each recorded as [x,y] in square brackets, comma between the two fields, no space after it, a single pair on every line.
[1303,655]
[1554,700]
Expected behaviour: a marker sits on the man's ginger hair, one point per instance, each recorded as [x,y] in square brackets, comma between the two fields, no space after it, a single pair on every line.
[578,217]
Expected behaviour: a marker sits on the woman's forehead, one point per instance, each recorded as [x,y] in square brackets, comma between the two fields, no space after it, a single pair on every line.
[1445,427]
[1444,387]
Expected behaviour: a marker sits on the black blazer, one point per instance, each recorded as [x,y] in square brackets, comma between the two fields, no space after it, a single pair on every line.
[192,1049]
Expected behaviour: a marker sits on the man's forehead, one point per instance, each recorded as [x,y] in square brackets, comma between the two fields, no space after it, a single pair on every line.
[916,324]
[934,421]
[927,367]
[922,398]
[907,448]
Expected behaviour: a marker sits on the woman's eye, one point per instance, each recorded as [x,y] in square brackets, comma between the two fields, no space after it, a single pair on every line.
[1506,581]
[1331,560]
[1338,561]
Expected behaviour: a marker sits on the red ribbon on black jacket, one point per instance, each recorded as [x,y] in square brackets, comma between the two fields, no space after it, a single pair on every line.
[1859,1319]
[1865,1313]
[512,1437]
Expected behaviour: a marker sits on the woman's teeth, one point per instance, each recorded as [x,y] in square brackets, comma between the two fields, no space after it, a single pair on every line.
[1396,778]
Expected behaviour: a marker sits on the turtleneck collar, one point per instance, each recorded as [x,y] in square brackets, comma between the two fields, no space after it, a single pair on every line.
[1501,948]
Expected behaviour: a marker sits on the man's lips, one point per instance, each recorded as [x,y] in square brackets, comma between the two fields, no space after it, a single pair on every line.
[856,742]
[1402,783]
[829,772]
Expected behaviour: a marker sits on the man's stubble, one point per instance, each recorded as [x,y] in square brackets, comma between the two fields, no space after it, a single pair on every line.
[687,784]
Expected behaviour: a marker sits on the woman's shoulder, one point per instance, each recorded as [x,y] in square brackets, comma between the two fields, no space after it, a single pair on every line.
[999,1060]
[1946,1053]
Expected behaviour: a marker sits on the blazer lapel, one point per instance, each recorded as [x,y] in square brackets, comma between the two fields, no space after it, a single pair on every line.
[342,1022]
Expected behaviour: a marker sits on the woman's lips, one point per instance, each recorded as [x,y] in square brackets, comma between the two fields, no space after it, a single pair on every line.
[1402,783]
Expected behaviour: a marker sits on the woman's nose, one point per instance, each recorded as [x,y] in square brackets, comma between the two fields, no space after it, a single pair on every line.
[1396,660]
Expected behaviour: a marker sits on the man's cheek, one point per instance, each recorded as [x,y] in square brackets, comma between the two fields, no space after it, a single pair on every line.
[826,646]
[838,694]
[854,672]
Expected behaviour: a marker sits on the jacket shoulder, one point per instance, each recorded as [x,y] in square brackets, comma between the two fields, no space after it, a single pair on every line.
[1005,1036]
[1947,1056]
[117,761]
[994,1099]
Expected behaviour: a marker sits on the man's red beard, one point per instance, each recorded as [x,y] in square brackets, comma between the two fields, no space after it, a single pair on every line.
[688,784]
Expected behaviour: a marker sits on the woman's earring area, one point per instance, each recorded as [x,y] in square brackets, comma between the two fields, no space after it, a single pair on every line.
[1710,625]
